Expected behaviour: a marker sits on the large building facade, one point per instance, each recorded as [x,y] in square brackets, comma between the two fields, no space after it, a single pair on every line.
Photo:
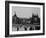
[32,20]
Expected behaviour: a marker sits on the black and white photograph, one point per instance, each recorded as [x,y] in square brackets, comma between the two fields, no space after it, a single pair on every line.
[25,18]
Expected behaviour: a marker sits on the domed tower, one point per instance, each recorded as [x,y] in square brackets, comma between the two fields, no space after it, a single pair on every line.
[14,19]
[35,16]
[35,19]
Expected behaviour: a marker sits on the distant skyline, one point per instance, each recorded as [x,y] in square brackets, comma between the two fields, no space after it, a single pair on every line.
[27,12]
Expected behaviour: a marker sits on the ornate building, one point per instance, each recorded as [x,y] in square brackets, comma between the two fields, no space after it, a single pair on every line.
[35,19]
[32,23]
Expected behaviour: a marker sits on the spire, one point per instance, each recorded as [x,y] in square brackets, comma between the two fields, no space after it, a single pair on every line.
[15,14]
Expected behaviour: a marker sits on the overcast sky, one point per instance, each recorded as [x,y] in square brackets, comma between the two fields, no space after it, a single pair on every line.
[25,11]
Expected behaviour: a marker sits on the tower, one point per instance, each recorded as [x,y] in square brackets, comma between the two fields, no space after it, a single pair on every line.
[35,19]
